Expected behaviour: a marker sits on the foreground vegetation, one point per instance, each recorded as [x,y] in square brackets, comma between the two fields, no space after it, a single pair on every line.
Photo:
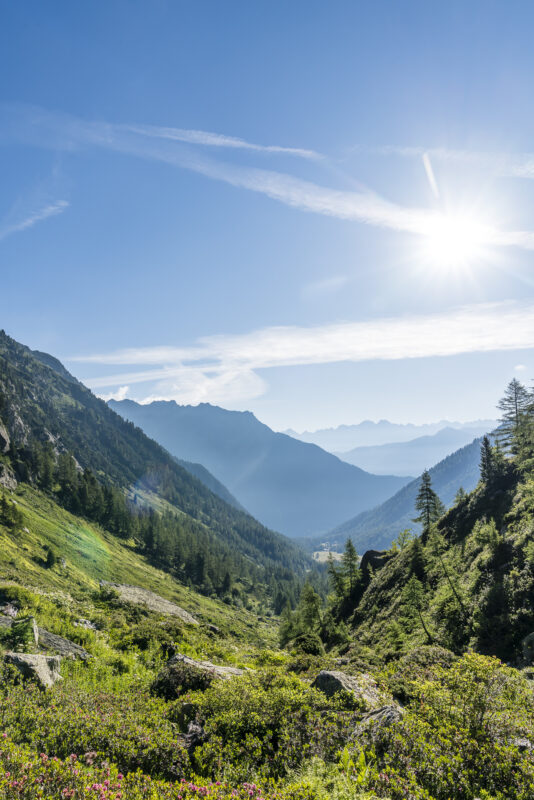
[105,733]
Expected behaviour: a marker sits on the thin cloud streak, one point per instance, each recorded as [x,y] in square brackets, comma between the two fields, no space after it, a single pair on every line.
[218,140]
[51,210]
[227,365]
[57,130]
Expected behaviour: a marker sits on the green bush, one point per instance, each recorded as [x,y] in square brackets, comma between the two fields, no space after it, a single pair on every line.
[264,724]
[309,643]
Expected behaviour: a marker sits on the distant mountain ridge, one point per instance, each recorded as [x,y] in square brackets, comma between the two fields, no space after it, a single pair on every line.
[45,412]
[411,458]
[370,434]
[291,486]
[378,527]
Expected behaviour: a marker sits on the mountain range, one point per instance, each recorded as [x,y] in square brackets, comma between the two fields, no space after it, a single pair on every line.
[412,457]
[369,434]
[378,527]
[291,486]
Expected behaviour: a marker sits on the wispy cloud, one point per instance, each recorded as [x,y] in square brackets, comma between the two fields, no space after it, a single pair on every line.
[218,140]
[224,368]
[44,128]
[11,225]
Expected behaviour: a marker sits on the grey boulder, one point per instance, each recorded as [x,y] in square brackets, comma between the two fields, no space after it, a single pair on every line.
[362,686]
[43,670]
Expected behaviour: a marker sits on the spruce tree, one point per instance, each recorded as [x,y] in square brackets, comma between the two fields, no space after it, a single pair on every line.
[460,495]
[350,564]
[487,461]
[428,504]
[515,406]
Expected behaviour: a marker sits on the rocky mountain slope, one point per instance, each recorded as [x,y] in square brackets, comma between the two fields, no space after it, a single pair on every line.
[290,486]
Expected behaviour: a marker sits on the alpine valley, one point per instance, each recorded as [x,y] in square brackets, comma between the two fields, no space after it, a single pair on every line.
[157,641]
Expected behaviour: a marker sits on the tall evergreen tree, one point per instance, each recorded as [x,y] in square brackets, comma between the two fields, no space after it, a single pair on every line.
[428,504]
[487,461]
[515,406]
[350,564]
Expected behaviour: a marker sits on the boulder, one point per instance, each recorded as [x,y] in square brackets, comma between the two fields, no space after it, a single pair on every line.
[182,674]
[374,560]
[379,718]
[50,641]
[44,670]
[362,686]
[65,648]
[195,736]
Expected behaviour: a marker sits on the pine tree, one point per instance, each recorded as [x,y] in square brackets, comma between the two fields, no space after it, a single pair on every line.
[350,563]
[515,406]
[428,504]
[487,461]
[336,578]
[460,495]
[309,608]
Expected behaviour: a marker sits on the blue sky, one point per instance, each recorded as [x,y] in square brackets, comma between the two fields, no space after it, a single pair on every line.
[316,211]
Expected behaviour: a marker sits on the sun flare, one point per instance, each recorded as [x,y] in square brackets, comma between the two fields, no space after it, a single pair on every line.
[453,242]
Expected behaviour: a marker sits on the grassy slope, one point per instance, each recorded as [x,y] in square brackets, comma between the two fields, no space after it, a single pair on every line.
[93,555]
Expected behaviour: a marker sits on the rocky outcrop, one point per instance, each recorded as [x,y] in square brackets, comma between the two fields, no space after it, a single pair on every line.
[65,648]
[379,718]
[7,477]
[182,674]
[362,686]
[374,560]
[5,441]
[51,641]
[43,670]
[142,597]
[9,610]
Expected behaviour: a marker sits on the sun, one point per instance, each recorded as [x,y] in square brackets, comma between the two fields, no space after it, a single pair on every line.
[450,242]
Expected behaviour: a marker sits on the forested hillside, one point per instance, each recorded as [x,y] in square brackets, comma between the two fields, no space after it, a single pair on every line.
[68,443]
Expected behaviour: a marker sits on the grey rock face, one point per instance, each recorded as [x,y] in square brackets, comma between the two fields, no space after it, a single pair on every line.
[44,670]
[362,686]
[142,597]
[9,610]
[5,441]
[181,674]
[379,718]
[51,641]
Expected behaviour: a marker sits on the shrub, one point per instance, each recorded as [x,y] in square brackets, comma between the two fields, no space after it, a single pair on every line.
[309,643]
[265,724]
[177,678]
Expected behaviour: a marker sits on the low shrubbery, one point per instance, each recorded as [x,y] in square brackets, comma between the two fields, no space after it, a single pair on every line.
[265,724]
